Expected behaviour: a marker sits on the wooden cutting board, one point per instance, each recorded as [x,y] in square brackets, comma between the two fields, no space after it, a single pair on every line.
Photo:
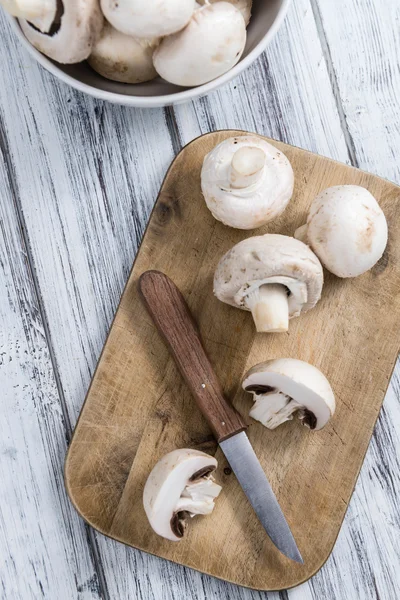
[138,408]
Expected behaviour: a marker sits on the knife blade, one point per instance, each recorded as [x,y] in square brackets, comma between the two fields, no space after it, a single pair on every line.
[173,319]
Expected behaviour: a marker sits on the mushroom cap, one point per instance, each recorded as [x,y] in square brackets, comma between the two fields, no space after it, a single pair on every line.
[149,18]
[166,483]
[41,13]
[244,6]
[210,45]
[299,380]
[347,229]
[265,259]
[120,57]
[79,29]
[253,206]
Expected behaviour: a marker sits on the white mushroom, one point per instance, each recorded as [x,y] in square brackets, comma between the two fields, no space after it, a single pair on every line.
[347,230]
[120,57]
[210,45]
[148,18]
[274,276]
[244,6]
[287,386]
[40,13]
[246,182]
[72,35]
[180,485]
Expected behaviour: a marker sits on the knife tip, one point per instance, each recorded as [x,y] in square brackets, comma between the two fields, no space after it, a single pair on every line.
[296,556]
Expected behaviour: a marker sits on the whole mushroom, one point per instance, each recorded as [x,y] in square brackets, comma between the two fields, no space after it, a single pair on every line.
[244,6]
[347,230]
[72,35]
[210,45]
[149,18]
[274,276]
[286,386]
[180,485]
[246,182]
[40,13]
[120,57]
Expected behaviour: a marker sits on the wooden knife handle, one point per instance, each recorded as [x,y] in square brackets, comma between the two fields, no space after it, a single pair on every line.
[173,319]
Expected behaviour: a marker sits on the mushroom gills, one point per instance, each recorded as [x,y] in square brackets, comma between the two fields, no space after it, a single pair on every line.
[269,307]
[277,410]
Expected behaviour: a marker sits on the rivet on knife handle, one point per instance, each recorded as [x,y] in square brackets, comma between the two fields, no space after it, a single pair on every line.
[173,319]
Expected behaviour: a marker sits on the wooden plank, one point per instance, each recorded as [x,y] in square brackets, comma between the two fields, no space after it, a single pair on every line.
[138,409]
[44,545]
[363,46]
[87,179]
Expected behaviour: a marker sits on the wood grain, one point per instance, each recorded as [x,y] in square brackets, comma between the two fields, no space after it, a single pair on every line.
[65,146]
[136,385]
[43,544]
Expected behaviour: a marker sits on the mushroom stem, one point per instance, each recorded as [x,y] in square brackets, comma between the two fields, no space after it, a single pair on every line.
[269,307]
[276,411]
[198,497]
[246,167]
[301,233]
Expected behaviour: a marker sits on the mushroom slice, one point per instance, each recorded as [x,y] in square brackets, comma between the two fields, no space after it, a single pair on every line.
[244,6]
[347,230]
[209,46]
[274,276]
[149,18]
[246,182]
[120,57]
[286,386]
[41,13]
[75,30]
[179,486]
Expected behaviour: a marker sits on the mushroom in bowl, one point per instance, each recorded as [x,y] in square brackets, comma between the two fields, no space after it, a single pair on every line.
[347,230]
[274,276]
[266,19]
[246,182]
[180,486]
[75,28]
[149,18]
[286,386]
[244,6]
[209,46]
[120,57]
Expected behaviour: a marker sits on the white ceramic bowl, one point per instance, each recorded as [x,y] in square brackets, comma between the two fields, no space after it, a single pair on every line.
[266,20]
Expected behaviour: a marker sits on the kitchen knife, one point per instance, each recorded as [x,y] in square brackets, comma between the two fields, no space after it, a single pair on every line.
[173,319]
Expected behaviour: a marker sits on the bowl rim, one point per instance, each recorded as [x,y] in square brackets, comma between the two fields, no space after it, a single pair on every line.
[153,101]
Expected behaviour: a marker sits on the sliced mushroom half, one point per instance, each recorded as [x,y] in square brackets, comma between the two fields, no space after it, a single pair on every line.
[285,387]
[246,182]
[210,45]
[73,33]
[347,230]
[180,486]
[120,57]
[274,276]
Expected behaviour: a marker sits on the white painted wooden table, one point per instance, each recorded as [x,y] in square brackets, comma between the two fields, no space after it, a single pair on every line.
[78,179]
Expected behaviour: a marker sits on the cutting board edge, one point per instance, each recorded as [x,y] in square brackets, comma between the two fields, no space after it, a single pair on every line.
[66,481]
